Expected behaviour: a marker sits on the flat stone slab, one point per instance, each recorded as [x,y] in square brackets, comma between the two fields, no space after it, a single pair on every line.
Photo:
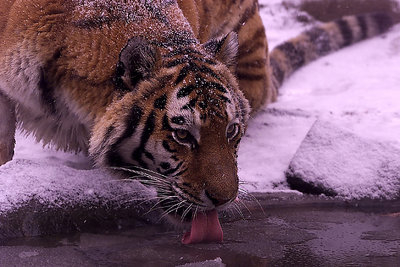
[336,162]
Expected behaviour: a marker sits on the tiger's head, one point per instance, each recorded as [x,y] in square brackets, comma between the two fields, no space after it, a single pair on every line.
[176,123]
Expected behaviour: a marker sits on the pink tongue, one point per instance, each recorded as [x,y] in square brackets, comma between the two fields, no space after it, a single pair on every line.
[205,228]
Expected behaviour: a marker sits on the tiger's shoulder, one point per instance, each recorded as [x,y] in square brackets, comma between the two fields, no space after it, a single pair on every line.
[58,59]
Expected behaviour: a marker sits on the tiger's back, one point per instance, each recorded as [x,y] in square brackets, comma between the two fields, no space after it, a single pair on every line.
[210,20]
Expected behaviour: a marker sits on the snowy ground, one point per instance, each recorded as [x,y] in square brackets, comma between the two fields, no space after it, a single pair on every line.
[357,88]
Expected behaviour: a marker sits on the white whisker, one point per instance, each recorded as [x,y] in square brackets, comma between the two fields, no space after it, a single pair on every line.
[237,208]
[244,205]
[186,212]
[247,194]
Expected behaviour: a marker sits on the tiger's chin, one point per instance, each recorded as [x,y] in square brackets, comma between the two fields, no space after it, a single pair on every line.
[180,218]
[177,223]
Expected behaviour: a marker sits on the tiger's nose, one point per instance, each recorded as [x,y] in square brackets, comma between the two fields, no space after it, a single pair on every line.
[217,201]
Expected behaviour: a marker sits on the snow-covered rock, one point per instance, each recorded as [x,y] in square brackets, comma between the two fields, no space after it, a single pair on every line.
[336,162]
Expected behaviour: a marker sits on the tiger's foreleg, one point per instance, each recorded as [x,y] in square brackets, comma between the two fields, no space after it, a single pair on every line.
[7,129]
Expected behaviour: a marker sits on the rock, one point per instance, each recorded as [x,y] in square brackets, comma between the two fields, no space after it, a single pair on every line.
[336,162]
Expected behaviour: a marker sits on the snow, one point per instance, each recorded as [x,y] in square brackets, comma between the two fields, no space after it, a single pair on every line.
[356,88]
[55,184]
[279,20]
[337,162]
[210,263]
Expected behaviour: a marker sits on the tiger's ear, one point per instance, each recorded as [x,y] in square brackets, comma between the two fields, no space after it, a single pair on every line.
[137,61]
[224,49]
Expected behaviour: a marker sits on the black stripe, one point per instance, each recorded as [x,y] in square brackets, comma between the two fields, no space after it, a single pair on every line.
[177,62]
[295,55]
[259,63]
[363,26]
[109,132]
[165,124]
[180,120]
[47,92]
[203,117]
[147,132]
[277,72]
[182,75]
[217,86]
[161,102]
[185,91]
[250,50]
[207,70]
[346,31]
[225,99]
[193,102]
[132,121]
[188,193]
[167,147]
[190,105]
[249,44]
[149,155]
[181,172]
[250,77]
[165,165]
[44,86]
[320,39]
[117,79]
[203,105]
[383,21]
[172,170]
[203,83]
[237,143]
[246,16]
[192,67]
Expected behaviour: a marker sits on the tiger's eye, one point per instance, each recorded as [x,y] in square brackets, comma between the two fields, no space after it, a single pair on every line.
[182,134]
[232,131]
[184,137]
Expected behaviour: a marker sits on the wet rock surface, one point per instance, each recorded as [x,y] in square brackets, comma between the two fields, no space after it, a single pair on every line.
[290,229]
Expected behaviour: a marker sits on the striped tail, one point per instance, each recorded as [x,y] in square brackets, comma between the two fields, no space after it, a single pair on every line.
[322,40]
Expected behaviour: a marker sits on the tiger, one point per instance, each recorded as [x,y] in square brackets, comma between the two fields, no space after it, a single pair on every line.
[160,91]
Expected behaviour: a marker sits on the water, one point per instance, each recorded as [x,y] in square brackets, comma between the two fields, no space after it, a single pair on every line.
[295,230]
